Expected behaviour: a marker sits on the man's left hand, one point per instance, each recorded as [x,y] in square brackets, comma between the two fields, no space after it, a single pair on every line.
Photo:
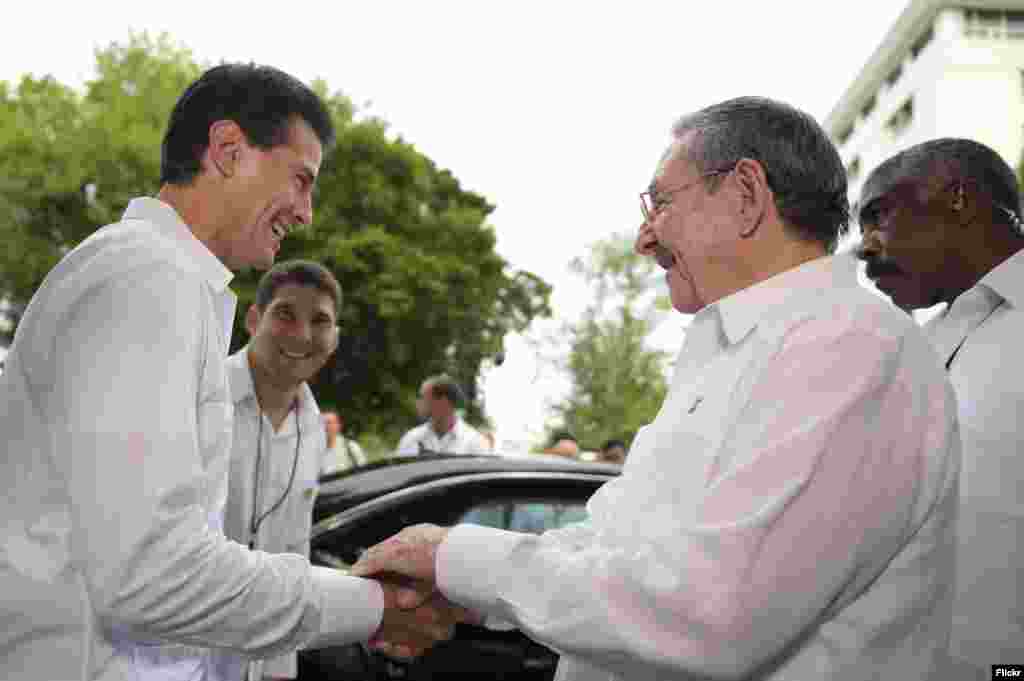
[410,553]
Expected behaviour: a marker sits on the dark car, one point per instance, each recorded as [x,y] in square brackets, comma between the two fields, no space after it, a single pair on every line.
[358,508]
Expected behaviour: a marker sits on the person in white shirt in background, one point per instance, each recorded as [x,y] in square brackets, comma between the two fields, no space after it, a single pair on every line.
[117,420]
[444,431]
[942,224]
[342,453]
[789,513]
[279,447]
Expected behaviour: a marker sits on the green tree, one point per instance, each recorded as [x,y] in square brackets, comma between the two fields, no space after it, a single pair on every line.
[618,383]
[1020,174]
[425,291]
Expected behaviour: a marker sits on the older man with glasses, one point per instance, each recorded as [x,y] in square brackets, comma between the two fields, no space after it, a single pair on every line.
[789,512]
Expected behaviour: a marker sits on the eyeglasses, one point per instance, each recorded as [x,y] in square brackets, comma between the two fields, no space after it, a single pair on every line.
[650,207]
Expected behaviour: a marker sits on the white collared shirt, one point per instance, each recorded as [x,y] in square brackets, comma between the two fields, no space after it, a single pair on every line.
[116,423]
[988,613]
[283,502]
[344,455]
[461,439]
[789,513]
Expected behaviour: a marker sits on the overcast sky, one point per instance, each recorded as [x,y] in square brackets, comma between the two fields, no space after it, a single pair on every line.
[555,111]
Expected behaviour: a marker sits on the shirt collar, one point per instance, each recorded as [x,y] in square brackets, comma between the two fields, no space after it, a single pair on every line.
[455,432]
[1007,279]
[743,310]
[172,226]
[242,386]
[240,376]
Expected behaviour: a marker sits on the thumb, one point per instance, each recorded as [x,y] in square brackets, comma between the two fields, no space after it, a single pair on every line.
[369,563]
[362,568]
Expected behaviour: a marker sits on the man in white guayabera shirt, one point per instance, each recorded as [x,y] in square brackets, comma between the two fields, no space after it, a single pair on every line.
[116,420]
[279,447]
[789,513]
[942,224]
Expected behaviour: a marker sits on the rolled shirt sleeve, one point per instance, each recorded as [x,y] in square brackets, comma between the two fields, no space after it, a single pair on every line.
[124,403]
[807,492]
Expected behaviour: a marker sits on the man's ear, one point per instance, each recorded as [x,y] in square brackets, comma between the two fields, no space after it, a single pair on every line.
[252,319]
[226,139]
[754,194]
[963,202]
[335,341]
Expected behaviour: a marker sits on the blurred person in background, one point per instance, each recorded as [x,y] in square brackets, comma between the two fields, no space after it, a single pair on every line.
[613,451]
[563,443]
[443,430]
[343,453]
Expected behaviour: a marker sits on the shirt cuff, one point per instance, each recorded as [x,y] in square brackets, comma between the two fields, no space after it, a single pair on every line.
[351,608]
[469,565]
[284,667]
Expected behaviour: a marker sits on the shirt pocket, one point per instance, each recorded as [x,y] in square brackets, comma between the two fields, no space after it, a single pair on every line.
[301,514]
[684,440]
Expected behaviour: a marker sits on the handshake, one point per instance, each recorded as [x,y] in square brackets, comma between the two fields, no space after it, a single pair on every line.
[416,615]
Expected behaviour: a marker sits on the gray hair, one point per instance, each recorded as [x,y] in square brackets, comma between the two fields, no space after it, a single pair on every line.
[802,166]
[953,159]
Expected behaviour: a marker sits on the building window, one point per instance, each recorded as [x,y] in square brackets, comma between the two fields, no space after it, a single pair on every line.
[1015,24]
[993,23]
[921,42]
[868,107]
[894,76]
[853,170]
[902,117]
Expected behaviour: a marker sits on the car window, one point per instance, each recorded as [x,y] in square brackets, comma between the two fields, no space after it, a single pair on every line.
[526,516]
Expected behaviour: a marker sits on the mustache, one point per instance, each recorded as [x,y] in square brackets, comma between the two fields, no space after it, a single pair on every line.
[875,266]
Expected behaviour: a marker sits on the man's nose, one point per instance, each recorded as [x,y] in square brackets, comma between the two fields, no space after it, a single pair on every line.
[304,332]
[645,240]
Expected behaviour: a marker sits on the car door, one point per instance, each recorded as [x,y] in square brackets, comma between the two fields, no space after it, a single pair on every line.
[526,502]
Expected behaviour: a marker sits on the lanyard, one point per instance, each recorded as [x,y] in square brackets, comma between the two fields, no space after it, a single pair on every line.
[255,522]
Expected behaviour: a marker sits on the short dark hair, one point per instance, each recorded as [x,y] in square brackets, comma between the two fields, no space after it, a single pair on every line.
[612,443]
[801,164]
[301,273]
[953,158]
[445,386]
[262,100]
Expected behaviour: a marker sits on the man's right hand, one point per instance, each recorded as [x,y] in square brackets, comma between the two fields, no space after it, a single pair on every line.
[407,632]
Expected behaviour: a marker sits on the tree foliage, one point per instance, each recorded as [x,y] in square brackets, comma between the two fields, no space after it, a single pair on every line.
[425,292]
[618,384]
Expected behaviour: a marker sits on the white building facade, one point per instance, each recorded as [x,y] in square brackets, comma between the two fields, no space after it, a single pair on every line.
[945,69]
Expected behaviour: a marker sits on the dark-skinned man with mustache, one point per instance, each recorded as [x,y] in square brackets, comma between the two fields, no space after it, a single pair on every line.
[941,225]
